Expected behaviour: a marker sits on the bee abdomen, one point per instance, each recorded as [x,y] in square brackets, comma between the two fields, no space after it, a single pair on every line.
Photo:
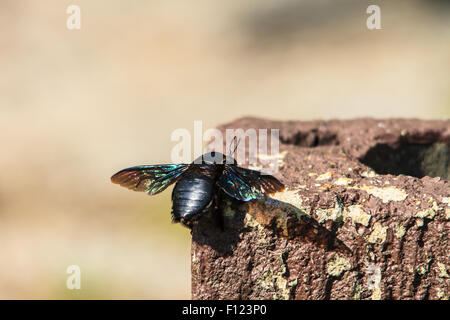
[192,194]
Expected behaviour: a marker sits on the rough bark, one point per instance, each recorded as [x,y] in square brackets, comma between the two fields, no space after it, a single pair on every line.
[365,216]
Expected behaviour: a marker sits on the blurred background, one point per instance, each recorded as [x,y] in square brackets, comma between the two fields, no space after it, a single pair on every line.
[78,105]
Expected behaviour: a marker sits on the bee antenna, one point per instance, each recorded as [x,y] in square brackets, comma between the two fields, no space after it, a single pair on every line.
[229,147]
[237,144]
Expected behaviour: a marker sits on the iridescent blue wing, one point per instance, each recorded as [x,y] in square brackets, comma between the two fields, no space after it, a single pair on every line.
[245,184]
[151,179]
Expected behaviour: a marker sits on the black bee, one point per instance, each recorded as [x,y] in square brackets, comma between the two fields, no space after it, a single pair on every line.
[198,183]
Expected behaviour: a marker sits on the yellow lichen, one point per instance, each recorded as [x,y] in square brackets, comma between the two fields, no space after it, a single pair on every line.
[435,206]
[368,174]
[357,215]
[378,234]
[195,265]
[419,223]
[441,294]
[275,281]
[442,270]
[399,231]
[328,214]
[252,223]
[337,265]
[342,181]
[334,214]
[386,194]
[376,294]
[357,290]
[285,287]
[422,269]
[427,213]
[325,176]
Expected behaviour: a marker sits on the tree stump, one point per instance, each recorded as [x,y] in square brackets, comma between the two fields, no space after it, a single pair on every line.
[365,216]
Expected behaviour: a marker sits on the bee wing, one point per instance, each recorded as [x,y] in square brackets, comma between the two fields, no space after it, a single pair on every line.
[245,184]
[151,179]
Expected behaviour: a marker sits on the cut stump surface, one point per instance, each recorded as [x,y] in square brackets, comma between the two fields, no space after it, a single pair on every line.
[365,216]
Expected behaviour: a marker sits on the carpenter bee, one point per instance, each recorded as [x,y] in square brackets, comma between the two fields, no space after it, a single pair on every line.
[199,183]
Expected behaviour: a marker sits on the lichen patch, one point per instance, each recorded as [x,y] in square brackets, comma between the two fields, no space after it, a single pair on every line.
[325,176]
[326,214]
[442,270]
[419,223]
[276,282]
[399,231]
[253,223]
[337,265]
[446,200]
[386,194]
[357,215]
[343,181]
[368,174]
[423,268]
[358,289]
[427,213]
[378,234]
[441,294]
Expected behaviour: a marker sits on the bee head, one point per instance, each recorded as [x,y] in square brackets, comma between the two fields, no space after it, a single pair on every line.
[215,158]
